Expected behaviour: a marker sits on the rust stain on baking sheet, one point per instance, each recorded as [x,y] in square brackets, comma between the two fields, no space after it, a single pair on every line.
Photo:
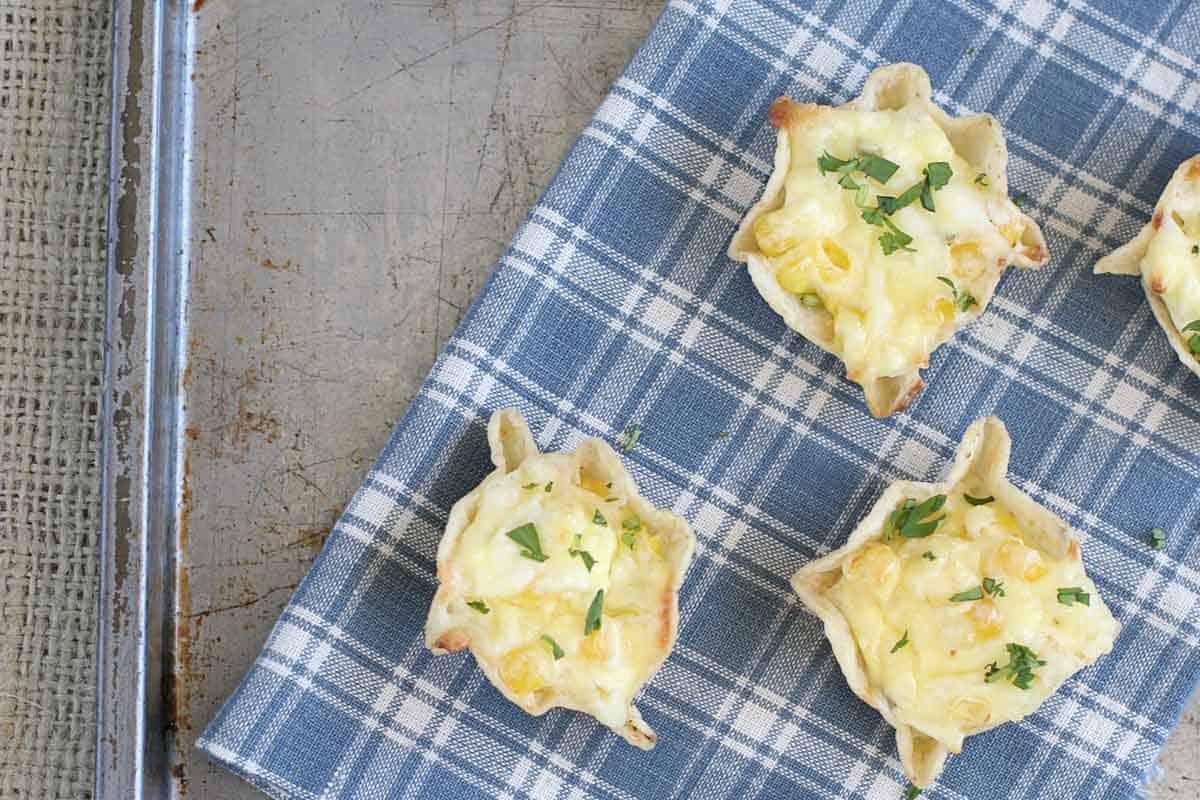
[177,686]
[197,5]
[281,266]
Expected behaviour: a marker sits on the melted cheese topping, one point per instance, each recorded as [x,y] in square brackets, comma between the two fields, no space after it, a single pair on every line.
[936,682]
[889,311]
[599,673]
[1171,267]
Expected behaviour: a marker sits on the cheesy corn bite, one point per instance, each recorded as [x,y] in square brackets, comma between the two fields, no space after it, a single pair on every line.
[957,607]
[561,580]
[885,227]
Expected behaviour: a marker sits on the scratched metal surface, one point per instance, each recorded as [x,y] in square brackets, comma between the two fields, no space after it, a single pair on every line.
[352,171]
[359,167]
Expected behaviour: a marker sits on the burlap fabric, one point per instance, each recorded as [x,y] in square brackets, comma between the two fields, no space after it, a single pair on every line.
[54,112]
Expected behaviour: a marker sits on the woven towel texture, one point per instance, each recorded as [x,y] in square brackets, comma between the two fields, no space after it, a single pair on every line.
[615,305]
[54,113]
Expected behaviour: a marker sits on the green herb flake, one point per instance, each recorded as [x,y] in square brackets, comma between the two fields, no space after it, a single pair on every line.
[629,539]
[576,549]
[962,300]
[549,486]
[877,168]
[895,240]
[908,519]
[529,486]
[1193,328]
[1070,595]
[479,606]
[527,537]
[634,523]
[900,644]
[554,648]
[929,556]
[938,174]
[633,435]
[1158,539]
[828,163]
[1019,670]
[810,300]
[722,435]
[912,792]
[591,622]
[970,594]
[598,518]
[993,587]
[982,179]
[978,501]
[1196,249]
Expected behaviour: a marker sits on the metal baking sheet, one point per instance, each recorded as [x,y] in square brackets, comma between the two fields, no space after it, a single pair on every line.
[305,195]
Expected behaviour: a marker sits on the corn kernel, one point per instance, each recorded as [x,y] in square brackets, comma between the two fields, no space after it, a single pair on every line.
[793,276]
[774,235]
[875,564]
[595,487]
[526,669]
[1014,558]
[944,309]
[971,711]
[836,255]
[987,619]
[596,644]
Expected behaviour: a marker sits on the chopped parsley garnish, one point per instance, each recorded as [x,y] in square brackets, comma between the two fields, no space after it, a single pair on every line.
[912,792]
[1158,539]
[993,587]
[554,648]
[877,168]
[962,300]
[629,539]
[810,300]
[828,163]
[549,486]
[978,501]
[907,520]
[929,556]
[633,435]
[592,621]
[527,537]
[1193,328]
[479,606]
[1196,249]
[1019,670]
[975,593]
[880,169]
[982,179]
[576,550]
[894,239]
[1070,595]
[608,485]
[529,486]
[611,499]
[938,174]
[903,641]
[722,435]
[598,518]
[634,523]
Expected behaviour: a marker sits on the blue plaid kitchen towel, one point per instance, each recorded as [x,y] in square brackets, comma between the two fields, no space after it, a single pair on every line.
[615,304]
